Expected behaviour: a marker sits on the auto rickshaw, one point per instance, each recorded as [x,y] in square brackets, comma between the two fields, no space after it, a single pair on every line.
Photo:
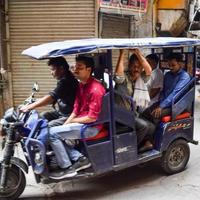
[115,148]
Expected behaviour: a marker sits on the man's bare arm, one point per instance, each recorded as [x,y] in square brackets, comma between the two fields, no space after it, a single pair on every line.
[120,63]
[143,61]
[83,120]
[48,99]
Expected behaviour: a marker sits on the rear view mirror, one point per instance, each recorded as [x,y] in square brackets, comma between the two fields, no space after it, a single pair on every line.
[35,87]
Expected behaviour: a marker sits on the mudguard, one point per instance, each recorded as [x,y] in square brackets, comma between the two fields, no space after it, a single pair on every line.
[19,163]
[180,129]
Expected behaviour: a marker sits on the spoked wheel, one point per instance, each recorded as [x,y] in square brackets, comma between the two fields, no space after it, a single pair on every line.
[176,157]
[15,184]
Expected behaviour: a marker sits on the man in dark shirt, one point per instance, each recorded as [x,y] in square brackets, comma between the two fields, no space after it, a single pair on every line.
[63,94]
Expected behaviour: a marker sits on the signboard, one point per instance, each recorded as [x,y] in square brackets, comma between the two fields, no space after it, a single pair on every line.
[128,7]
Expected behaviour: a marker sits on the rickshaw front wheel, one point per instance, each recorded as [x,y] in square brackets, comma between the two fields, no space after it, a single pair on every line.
[176,157]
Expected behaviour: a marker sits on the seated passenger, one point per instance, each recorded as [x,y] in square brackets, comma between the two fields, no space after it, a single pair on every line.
[174,81]
[155,84]
[87,107]
[127,84]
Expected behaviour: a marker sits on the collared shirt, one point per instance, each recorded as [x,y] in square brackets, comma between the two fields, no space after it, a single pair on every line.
[124,84]
[64,93]
[156,81]
[173,83]
[88,100]
[128,83]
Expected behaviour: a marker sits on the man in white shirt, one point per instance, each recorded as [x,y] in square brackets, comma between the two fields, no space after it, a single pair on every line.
[155,83]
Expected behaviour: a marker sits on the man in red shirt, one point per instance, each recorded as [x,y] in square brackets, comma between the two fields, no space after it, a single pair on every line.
[87,107]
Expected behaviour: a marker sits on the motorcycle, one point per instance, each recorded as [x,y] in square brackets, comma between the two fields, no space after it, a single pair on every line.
[31,131]
[22,128]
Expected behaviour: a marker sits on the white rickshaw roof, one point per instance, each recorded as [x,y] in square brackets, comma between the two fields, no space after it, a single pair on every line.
[69,47]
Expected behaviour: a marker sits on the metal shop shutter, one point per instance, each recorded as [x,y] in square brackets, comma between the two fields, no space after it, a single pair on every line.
[115,26]
[32,22]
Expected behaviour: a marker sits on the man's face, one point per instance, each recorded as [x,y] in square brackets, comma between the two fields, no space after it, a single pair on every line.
[135,69]
[151,62]
[174,65]
[56,72]
[81,72]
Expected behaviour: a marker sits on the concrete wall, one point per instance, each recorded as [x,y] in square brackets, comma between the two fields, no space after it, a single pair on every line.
[144,23]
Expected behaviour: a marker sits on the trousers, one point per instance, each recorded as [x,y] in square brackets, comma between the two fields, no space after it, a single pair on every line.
[57,136]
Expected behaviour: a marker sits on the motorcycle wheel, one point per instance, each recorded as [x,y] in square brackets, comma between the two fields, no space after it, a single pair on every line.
[15,185]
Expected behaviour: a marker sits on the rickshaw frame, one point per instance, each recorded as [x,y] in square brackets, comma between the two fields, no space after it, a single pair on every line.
[118,151]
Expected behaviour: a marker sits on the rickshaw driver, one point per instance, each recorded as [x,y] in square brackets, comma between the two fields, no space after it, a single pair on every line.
[87,106]
[174,81]
[125,83]
[63,94]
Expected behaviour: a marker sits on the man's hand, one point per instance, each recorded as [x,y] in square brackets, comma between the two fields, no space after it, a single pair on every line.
[70,119]
[134,51]
[66,122]
[82,120]
[157,112]
[26,108]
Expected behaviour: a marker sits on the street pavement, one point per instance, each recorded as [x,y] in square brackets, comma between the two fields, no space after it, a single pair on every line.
[140,182]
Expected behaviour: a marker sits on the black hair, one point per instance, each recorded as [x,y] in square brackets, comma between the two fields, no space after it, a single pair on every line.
[153,57]
[58,62]
[132,59]
[177,56]
[87,60]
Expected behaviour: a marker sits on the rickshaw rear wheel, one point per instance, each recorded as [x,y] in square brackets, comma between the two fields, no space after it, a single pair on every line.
[15,185]
[176,157]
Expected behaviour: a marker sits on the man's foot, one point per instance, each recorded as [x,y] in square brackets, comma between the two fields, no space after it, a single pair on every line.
[147,146]
[65,173]
[81,163]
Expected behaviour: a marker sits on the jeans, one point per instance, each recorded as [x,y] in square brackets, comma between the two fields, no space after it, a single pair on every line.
[63,153]
[54,118]
[70,131]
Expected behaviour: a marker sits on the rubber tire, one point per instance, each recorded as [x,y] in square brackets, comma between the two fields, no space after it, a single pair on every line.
[14,176]
[175,147]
